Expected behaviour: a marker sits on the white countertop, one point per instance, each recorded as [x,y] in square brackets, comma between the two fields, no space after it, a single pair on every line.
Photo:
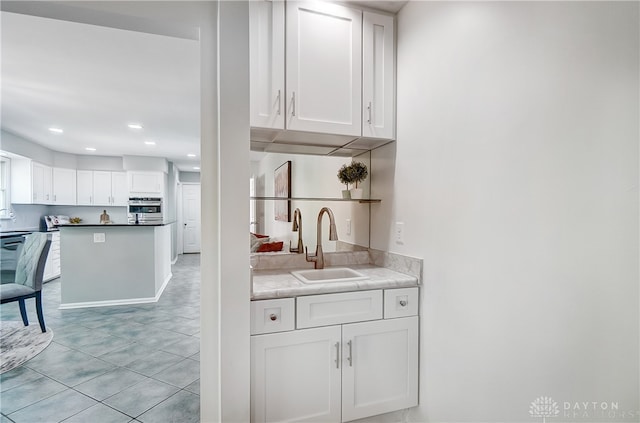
[269,284]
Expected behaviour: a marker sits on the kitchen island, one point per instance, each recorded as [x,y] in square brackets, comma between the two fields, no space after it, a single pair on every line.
[114,264]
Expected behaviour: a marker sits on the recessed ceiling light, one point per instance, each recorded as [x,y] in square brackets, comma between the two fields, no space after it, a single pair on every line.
[196,168]
[134,126]
[150,142]
[90,149]
[191,155]
[56,130]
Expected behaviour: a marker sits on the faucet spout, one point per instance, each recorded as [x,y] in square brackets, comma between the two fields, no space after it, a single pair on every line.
[297,227]
[318,258]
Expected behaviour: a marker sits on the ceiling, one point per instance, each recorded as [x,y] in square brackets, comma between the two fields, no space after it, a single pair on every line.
[92,81]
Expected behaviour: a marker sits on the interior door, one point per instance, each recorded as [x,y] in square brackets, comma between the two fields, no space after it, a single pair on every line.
[191,216]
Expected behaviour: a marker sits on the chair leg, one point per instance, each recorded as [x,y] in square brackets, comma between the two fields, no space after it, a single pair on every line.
[39,310]
[23,312]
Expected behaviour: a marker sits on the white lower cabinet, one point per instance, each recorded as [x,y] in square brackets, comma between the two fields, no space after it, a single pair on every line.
[52,265]
[380,373]
[335,373]
[295,376]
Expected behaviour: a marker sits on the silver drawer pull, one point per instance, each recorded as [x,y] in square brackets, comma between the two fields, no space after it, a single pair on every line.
[273,317]
[350,358]
[403,303]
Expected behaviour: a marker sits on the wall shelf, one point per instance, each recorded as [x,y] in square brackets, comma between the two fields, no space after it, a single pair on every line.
[361,200]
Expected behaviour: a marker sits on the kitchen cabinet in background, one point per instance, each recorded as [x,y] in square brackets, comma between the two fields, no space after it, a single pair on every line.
[41,183]
[36,183]
[145,184]
[52,265]
[101,188]
[64,186]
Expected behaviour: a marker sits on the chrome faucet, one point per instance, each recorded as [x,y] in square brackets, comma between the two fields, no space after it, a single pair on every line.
[318,257]
[297,227]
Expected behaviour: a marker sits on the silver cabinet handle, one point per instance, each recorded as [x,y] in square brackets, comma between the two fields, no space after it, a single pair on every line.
[350,358]
[90,199]
[293,103]
[369,111]
[403,303]
[55,197]
[279,101]
[337,355]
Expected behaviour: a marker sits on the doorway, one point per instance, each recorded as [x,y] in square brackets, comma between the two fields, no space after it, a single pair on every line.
[191,218]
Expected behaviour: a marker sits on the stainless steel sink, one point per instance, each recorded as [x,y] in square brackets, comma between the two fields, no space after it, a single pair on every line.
[328,275]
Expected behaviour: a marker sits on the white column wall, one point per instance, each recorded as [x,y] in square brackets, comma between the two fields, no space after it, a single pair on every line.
[515,173]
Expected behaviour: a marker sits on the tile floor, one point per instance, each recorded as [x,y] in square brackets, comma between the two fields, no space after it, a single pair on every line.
[138,363]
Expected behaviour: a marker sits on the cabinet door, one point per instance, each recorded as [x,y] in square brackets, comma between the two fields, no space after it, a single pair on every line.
[380,367]
[101,188]
[266,32]
[378,93]
[295,376]
[41,183]
[84,187]
[64,186]
[146,183]
[52,265]
[324,64]
[119,191]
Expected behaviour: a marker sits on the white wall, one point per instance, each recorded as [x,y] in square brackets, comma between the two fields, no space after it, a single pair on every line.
[516,175]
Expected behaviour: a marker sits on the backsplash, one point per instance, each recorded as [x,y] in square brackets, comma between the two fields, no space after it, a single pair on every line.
[28,216]
[403,264]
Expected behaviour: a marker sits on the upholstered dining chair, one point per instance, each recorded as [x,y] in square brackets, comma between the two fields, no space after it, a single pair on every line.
[28,277]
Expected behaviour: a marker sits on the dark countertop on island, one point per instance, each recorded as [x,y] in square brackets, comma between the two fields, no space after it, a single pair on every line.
[102,225]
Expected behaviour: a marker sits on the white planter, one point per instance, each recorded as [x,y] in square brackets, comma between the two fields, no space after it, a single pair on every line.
[356,193]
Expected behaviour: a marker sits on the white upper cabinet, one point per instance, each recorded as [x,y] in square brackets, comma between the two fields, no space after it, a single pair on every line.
[64,186]
[41,183]
[119,190]
[266,32]
[31,182]
[378,76]
[102,188]
[340,74]
[324,68]
[84,187]
[146,184]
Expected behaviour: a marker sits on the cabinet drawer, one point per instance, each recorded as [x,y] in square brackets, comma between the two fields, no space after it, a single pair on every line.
[270,316]
[335,309]
[402,302]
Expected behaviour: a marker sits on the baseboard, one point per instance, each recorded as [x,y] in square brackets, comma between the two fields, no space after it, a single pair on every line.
[110,303]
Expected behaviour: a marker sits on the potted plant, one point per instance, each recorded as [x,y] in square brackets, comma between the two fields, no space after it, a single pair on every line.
[359,173]
[345,176]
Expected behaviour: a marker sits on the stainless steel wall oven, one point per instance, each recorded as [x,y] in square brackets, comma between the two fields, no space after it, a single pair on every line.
[144,210]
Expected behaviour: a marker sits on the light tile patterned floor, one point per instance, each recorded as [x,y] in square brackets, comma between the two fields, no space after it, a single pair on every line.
[138,363]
